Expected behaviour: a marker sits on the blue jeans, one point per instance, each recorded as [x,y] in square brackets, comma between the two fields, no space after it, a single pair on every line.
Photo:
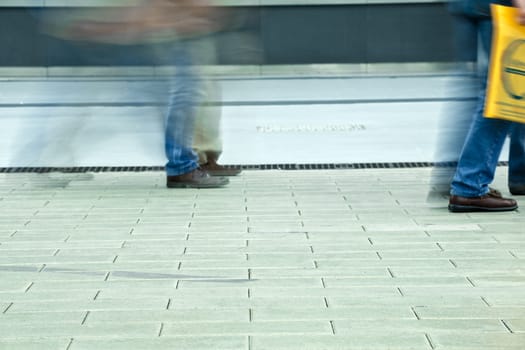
[480,154]
[184,97]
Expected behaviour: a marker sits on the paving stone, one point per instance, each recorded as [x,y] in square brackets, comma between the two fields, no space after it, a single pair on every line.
[420,326]
[469,313]
[81,295]
[248,328]
[130,293]
[188,315]
[401,341]
[66,329]
[256,291]
[356,312]
[35,344]
[430,300]
[38,318]
[172,342]
[478,340]
[107,304]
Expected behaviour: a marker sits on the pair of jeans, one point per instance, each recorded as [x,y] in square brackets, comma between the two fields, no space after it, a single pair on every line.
[179,122]
[484,142]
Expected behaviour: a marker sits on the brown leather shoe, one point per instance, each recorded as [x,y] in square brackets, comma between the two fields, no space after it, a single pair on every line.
[197,178]
[488,202]
[215,169]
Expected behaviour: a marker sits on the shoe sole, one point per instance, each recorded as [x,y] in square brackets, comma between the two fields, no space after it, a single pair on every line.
[187,185]
[468,208]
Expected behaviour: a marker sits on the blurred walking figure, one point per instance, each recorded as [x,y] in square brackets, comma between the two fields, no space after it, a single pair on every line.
[207,140]
[170,22]
[478,155]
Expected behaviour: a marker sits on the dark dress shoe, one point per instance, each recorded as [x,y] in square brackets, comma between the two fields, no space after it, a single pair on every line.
[488,202]
[215,169]
[196,179]
[518,190]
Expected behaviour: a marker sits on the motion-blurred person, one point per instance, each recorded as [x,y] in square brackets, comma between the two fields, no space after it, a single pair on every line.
[484,141]
[167,21]
[207,138]
[458,115]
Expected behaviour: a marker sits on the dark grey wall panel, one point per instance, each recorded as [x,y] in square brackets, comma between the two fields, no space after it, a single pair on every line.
[20,41]
[269,35]
[313,34]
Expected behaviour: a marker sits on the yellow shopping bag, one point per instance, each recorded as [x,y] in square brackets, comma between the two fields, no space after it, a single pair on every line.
[506,82]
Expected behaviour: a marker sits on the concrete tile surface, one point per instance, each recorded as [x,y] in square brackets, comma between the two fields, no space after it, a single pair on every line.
[318,259]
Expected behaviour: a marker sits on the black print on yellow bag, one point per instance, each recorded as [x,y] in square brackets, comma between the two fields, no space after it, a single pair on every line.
[506,83]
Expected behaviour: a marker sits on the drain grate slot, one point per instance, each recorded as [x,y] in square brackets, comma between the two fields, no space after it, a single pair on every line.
[329,166]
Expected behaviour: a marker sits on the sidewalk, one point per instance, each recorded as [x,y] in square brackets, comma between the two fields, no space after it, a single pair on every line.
[327,259]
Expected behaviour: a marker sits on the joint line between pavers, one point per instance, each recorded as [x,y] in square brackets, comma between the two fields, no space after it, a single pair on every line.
[131,230]
[249,293]
[440,247]
[427,233]
[390,272]
[333,327]
[250,342]
[513,255]
[507,327]
[85,318]
[415,313]
[70,343]
[315,264]
[115,259]
[379,256]
[168,304]
[42,268]
[250,315]
[7,308]
[29,287]
[161,329]
[107,277]
[429,340]
[400,292]
[96,295]
[326,302]
[486,302]
[13,234]
[453,263]
[56,252]
[370,240]
[323,282]
[470,281]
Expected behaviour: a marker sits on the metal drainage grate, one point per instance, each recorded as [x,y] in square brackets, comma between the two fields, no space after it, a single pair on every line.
[98,169]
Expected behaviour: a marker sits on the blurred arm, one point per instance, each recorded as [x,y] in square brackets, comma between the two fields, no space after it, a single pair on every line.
[520,4]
